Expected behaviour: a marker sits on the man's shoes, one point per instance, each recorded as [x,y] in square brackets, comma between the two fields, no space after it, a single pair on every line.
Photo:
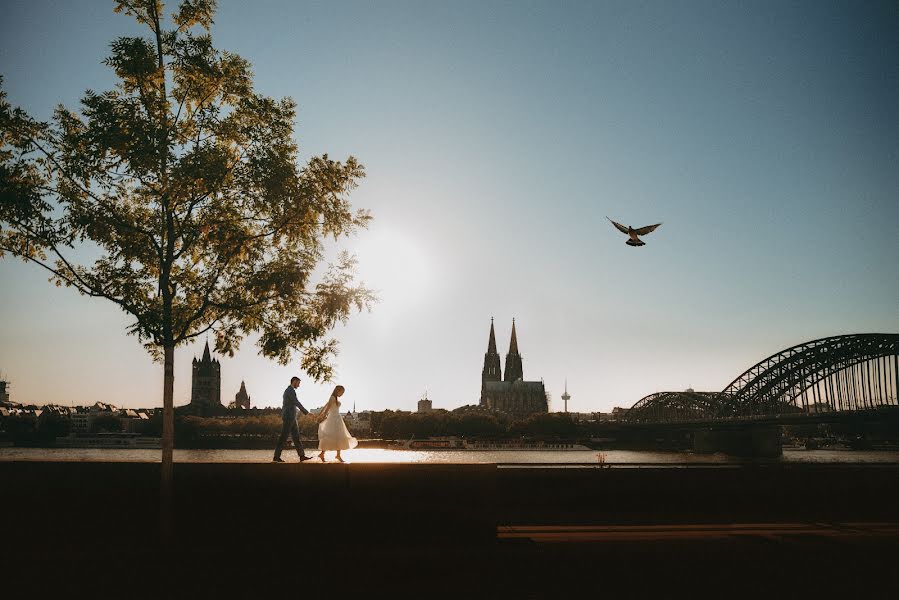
[277,460]
[305,458]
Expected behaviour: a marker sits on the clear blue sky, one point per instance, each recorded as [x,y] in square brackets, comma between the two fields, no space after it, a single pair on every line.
[497,137]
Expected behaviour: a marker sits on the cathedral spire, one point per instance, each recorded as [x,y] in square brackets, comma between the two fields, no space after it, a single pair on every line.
[491,345]
[513,359]
[513,345]
[491,371]
[206,356]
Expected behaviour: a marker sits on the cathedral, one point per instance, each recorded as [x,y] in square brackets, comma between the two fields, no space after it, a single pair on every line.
[206,385]
[509,394]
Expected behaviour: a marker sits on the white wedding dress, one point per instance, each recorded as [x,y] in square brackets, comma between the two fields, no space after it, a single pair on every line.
[332,432]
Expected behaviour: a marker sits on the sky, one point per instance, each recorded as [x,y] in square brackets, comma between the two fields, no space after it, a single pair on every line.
[497,137]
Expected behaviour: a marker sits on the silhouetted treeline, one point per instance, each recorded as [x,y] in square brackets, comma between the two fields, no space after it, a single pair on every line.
[388,424]
[467,422]
[474,422]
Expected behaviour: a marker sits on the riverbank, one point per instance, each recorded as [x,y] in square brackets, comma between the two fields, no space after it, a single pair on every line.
[261,442]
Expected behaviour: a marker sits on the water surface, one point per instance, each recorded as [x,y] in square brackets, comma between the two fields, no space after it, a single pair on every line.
[379,455]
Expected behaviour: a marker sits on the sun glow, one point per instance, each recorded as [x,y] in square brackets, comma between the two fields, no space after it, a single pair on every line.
[396,265]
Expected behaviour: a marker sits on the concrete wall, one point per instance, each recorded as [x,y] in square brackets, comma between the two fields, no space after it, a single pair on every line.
[270,505]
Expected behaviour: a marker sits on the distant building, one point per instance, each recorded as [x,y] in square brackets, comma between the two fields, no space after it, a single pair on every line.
[53,411]
[4,392]
[206,384]
[589,417]
[424,405]
[566,396]
[359,422]
[510,394]
[81,419]
[130,419]
[618,413]
[242,399]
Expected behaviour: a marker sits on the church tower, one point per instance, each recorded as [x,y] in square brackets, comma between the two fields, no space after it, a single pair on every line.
[206,384]
[491,370]
[513,359]
[242,398]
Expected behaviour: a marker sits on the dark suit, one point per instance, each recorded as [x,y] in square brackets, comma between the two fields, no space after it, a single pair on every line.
[289,408]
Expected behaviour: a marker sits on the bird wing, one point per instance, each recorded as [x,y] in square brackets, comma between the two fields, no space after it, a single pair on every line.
[647,229]
[618,226]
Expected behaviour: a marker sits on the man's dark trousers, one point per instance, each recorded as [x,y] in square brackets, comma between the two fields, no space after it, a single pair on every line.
[289,428]
[289,406]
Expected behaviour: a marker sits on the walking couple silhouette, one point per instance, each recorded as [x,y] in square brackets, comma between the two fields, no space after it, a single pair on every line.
[332,431]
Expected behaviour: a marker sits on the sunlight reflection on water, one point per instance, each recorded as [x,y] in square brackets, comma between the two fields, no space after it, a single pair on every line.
[378,455]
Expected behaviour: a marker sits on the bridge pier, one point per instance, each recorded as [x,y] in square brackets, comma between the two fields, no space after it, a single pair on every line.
[762,441]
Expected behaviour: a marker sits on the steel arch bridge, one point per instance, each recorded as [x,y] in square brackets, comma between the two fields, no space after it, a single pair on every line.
[666,407]
[840,373]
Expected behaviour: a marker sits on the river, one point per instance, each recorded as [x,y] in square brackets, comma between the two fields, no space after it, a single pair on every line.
[619,458]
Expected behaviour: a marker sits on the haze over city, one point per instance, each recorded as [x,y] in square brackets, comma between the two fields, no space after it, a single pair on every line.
[496,140]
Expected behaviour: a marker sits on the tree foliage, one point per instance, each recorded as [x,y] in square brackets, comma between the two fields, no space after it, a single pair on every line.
[184,187]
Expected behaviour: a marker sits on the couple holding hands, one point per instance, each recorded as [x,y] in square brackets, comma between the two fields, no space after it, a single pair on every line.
[332,432]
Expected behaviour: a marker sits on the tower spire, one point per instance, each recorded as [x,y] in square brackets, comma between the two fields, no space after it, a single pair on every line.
[491,371]
[513,345]
[514,369]
[491,345]
[206,356]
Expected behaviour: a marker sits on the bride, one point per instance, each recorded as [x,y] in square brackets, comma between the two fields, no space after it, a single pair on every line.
[332,432]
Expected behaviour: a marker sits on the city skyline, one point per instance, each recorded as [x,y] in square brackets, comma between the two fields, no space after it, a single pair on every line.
[497,140]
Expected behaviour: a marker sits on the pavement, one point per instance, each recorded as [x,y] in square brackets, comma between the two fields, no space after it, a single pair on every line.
[451,531]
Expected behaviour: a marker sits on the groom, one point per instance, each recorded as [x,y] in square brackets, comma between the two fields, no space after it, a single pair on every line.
[289,425]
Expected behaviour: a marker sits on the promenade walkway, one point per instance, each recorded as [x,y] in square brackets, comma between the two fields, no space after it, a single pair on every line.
[636,533]
[456,531]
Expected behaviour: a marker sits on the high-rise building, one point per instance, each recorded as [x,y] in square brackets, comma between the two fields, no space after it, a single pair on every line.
[424,405]
[206,384]
[509,394]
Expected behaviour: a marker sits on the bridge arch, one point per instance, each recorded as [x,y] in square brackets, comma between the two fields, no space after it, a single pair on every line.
[674,406]
[838,373]
[844,372]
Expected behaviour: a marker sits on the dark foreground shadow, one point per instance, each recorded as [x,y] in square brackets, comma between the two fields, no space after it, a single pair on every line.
[406,531]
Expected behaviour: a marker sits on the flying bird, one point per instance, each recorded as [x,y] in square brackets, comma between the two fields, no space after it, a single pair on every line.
[633,239]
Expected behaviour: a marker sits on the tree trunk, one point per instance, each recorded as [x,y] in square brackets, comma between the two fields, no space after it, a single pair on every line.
[168,443]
